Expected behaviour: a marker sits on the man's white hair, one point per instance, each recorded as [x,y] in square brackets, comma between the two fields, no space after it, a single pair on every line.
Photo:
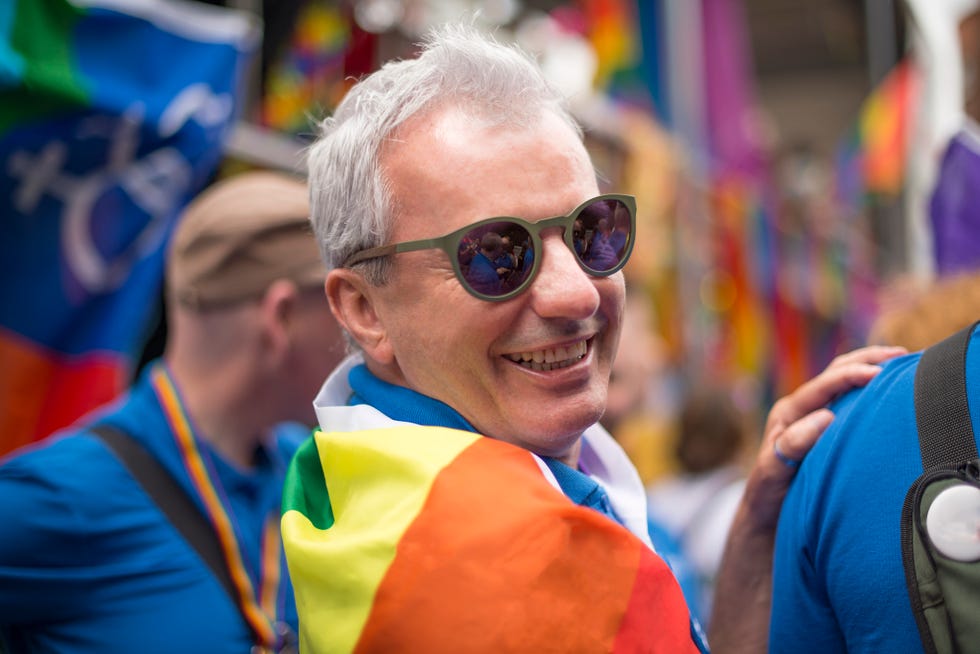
[350,203]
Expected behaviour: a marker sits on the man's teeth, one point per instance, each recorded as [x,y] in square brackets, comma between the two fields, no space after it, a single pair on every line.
[559,357]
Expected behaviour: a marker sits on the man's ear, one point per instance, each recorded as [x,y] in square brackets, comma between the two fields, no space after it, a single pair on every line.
[352,301]
[278,307]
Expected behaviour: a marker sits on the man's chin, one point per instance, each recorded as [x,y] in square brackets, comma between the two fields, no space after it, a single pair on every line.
[557,441]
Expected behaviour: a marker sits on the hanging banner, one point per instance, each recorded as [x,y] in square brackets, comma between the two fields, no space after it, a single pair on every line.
[113,114]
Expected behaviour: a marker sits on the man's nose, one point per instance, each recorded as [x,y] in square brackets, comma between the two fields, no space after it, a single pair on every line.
[562,289]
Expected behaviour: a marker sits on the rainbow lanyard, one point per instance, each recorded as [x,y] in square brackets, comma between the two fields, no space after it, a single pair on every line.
[259,612]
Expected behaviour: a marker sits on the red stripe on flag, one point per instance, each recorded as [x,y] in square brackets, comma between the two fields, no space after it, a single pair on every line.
[42,392]
[656,593]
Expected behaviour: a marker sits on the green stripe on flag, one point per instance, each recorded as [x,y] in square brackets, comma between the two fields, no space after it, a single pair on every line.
[36,61]
[305,489]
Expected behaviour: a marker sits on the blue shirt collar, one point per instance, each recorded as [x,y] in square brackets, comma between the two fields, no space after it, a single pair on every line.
[400,403]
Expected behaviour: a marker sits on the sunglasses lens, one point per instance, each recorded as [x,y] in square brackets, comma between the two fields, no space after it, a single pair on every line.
[496,258]
[602,234]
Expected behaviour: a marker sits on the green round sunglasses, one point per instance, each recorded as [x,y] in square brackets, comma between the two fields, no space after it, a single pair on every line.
[498,258]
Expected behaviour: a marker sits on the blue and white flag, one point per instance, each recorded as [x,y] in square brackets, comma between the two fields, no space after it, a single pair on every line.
[113,114]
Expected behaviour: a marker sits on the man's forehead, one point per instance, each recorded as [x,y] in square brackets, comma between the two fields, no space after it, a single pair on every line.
[454,172]
[456,128]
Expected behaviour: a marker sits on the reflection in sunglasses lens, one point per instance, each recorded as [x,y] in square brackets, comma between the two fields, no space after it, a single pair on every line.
[602,234]
[496,258]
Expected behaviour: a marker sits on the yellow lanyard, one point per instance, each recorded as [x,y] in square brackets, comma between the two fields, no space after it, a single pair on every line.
[259,611]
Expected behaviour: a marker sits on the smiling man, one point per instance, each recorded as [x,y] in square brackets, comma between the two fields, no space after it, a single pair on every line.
[529,370]
[461,495]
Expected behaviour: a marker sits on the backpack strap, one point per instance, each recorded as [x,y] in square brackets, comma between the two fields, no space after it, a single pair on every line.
[941,410]
[174,502]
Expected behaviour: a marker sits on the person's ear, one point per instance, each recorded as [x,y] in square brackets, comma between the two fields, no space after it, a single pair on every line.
[352,302]
[279,305]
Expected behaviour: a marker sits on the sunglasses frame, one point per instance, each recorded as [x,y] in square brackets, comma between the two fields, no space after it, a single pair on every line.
[449,243]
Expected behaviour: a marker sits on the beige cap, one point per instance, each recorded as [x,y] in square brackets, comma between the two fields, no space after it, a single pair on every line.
[240,235]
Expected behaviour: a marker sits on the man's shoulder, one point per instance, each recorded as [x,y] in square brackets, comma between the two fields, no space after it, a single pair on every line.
[890,390]
[889,397]
[76,451]
[74,461]
[874,424]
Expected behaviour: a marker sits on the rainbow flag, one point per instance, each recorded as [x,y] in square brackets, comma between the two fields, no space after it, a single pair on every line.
[872,158]
[870,175]
[614,37]
[884,126]
[113,113]
[430,539]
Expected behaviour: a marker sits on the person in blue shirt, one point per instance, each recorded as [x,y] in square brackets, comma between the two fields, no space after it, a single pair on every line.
[600,254]
[839,583]
[482,272]
[88,563]
[618,232]
[506,262]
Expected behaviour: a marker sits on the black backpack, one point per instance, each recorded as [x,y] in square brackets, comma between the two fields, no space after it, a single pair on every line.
[941,549]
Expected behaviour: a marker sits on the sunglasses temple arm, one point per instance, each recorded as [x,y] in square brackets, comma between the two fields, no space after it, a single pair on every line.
[386,250]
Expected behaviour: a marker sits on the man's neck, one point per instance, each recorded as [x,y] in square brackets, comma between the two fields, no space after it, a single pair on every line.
[224,414]
[571,458]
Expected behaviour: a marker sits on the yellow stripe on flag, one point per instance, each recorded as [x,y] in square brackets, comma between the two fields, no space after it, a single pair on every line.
[380,480]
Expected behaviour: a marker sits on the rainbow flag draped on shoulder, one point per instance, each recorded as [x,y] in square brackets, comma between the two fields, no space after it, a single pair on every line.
[429,539]
[113,114]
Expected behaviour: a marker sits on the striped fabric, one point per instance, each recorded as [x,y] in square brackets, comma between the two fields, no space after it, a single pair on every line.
[430,539]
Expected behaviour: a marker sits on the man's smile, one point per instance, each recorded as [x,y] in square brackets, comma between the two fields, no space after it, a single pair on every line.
[551,358]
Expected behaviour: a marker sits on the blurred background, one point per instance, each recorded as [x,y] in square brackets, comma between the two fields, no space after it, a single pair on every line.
[782,154]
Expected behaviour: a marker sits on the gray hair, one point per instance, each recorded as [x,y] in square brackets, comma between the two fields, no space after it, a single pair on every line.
[351,205]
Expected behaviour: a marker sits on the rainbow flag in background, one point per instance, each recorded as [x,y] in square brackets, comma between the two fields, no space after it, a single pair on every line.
[113,113]
[435,540]
[613,34]
[870,175]
[872,158]
[884,125]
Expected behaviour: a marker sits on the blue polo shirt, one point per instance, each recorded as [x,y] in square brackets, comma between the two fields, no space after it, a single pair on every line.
[88,563]
[839,583]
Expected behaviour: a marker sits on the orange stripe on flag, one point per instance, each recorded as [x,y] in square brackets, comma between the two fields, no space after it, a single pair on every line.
[499,558]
